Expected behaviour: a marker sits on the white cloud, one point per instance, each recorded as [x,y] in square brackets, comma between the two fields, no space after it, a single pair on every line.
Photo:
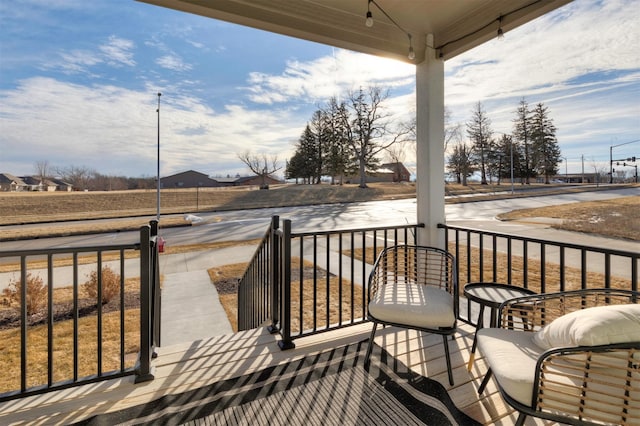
[328,76]
[173,62]
[114,130]
[118,51]
[549,53]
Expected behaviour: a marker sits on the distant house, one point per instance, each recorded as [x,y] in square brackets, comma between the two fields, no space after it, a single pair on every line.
[188,179]
[246,180]
[33,183]
[388,172]
[58,185]
[400,172]
[9,182]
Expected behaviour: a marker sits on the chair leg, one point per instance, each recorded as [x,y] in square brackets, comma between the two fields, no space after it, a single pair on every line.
[484,381]
[370,345]
[448,357]
[521,418]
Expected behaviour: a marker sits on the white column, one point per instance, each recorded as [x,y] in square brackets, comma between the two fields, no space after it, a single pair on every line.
[430,146]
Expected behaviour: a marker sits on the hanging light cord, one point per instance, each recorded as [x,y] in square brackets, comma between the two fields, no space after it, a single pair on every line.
[408,34]
[499,20]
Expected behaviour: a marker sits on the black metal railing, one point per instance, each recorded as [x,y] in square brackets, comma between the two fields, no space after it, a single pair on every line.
[255,293]
[309,282]
[540,265]
[76,330]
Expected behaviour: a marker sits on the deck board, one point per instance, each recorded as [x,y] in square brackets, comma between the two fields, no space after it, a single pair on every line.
[188,366]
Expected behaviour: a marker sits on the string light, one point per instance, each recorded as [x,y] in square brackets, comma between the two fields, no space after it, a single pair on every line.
[500,32]
[412,54]
[369,23]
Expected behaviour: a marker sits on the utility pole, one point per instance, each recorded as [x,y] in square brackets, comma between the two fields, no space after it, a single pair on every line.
[158,174]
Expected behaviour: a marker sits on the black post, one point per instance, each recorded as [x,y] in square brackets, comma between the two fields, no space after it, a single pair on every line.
[274,269]
[286,342]
[143,368]
[156,312]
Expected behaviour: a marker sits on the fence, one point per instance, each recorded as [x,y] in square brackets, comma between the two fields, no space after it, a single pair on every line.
[63,332]
[305,283]
[310,282]
[540,265]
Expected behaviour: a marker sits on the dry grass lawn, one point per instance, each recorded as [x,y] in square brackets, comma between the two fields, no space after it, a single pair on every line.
[308,301]
[37,344]
[38,207]
[618,218]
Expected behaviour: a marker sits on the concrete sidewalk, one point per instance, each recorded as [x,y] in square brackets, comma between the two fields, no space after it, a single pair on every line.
[191,309]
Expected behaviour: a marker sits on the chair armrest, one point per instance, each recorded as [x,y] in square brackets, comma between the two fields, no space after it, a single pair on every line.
[589,383]
[530,313]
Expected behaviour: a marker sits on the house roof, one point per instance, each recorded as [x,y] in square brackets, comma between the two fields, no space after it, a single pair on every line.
[456,25]
[9,178]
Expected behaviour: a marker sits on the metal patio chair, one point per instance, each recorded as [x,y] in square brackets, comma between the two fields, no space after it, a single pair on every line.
[572,357]
[414,287]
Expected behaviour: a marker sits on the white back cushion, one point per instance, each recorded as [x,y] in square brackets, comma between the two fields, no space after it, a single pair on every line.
[600,325]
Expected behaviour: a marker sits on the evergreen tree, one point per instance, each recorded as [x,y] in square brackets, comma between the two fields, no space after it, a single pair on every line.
[338,156]
[523,135]
[479,132]
[304,162]
[545,144]
[461,163]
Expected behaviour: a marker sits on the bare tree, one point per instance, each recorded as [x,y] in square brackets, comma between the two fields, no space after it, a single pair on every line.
[370,129]
[43,170]
[452,131]
[79,176]
[261,165]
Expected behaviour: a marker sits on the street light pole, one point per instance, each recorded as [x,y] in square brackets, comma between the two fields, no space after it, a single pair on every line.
[611,157]
[158,174]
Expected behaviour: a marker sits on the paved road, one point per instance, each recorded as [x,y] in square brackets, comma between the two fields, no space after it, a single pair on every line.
[250,224]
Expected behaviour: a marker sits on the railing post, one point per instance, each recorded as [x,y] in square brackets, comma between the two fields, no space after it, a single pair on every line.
[156,295]
[274,281]
[143,369]
[286,342]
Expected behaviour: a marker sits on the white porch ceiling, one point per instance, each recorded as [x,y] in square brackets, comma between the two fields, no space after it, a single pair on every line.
[456,25]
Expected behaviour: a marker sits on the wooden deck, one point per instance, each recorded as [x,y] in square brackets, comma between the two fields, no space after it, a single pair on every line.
[187,366]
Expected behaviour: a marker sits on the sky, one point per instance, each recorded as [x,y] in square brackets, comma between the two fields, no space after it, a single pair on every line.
[79,84]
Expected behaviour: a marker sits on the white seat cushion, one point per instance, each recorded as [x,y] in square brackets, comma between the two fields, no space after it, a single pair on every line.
[512,356]
[415,305]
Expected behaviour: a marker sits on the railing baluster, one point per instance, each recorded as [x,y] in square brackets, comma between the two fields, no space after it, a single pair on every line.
[481,255]
[76,316]
[494,255]
[340,278]
[328,283]
[543,269]
[122,310]
[99,331]
[23,323]
[50,319]
[562,271]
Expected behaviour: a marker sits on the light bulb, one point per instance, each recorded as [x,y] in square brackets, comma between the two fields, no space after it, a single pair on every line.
[412,54]
[369,21]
